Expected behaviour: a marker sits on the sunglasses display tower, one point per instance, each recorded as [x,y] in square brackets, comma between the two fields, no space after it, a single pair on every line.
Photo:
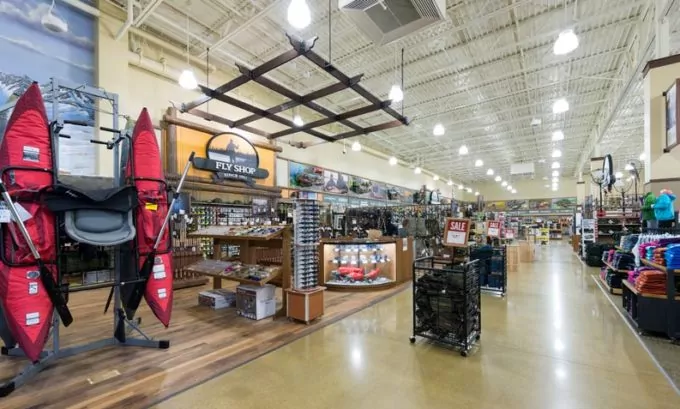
[305,297]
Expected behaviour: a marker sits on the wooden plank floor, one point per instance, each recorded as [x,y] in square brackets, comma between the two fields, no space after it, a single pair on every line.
[204,343]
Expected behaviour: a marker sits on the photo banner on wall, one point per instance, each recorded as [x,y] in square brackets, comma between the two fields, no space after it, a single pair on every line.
[305,177]
[39,54]
[335,182]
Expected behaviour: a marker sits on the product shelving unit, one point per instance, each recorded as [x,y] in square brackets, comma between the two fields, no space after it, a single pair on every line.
[447,303]
[603,277]
[654,312]
[588,234]
[305,296]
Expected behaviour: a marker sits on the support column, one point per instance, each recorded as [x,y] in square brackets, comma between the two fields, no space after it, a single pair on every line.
[662,161]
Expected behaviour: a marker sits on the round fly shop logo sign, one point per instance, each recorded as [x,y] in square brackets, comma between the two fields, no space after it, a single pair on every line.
[231,157]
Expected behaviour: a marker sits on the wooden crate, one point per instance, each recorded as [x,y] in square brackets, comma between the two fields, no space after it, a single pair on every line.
[305,306]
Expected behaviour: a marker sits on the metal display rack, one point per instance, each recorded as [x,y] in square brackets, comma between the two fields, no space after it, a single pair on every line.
[306,239]
[493,272]
[447,303]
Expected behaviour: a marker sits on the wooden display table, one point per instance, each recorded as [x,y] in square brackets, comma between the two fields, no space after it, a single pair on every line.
[249,244]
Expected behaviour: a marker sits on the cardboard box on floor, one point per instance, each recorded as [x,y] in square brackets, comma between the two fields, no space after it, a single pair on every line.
[526,251]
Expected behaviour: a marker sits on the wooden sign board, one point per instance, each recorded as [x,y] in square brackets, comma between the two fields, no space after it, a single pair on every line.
[493,229]
[456,232]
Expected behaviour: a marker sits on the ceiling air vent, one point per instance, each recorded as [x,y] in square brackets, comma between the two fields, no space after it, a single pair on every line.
[384,21]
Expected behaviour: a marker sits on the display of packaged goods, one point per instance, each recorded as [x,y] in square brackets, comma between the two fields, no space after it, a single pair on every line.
[240,231]
[359,264]
[306,254]
[217,299]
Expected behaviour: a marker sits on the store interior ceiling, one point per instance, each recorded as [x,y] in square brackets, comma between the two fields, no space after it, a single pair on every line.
[487,74]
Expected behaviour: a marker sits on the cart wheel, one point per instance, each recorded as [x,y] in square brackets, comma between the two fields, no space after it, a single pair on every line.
[478,337]
[463,354]
[412,340]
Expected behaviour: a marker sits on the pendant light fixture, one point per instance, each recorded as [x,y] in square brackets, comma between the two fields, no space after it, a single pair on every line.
[356,146]
[556,173]
[498,179]
[555,165]
[557,136]
[560,106]
[463,150]
[514,191]
[417,170]
[297,119]
[479,163]
[435,178]
[469,190]
[449,183]
[299,15]
[187,78]
[393,161]
[566,42]
[504,184]
[476,193]
[557,153]
[438,130]
[489,172]
[460,187]
[397,92]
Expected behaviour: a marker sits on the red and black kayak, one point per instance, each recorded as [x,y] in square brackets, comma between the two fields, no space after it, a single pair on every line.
[146,171]
[26,168]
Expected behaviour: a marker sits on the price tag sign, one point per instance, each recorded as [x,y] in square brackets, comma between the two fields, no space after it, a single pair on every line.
[510,234]
[493,229]
[456,232]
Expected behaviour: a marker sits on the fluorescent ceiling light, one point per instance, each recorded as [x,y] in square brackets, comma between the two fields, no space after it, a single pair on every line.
[498,178]
[476,193]
[514,191]
[555,165]
[566,42]
[489,172]
[297,120]
[393,161]
[557,136]
[417,170]
[356,146]
[438,130]
[557,153]
[187,80]
[463,150]
[450,183]
[560,106]
[299,15]
[618,175]
[479,163]
[554,173]
[435,178]
[504,184]
[643,157]
[396,94]
[629,166]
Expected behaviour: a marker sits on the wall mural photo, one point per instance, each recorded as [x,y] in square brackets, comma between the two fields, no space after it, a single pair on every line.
[305,176]
[335,182]
[49,39]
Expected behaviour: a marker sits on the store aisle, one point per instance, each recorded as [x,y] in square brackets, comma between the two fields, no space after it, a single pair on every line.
[554,342]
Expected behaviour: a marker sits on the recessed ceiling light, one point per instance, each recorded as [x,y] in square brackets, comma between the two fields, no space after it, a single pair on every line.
[498,178]
[479,163]
[463,150]
[560,106]
[393,161]
[489,172]
[557,136]
[438,130]
[557,153]
[555,165]
[504,184]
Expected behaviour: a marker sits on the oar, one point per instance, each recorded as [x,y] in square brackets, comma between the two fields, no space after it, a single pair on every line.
[145,272]
[51,286]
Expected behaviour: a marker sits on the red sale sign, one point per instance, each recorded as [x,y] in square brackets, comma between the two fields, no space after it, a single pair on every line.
[456,232]
[493,229]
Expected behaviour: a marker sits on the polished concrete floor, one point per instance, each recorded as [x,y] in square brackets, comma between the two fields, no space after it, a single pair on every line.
[554,342]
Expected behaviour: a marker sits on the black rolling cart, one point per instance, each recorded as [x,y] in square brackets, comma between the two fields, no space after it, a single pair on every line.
[447,303]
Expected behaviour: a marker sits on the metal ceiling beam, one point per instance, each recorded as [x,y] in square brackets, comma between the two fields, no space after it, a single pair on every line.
[224,121]
[146,12]
[602,126]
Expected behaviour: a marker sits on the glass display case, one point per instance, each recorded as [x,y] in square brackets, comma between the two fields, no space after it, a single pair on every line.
[365,264]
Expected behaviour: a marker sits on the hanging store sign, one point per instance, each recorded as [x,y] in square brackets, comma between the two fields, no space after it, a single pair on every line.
[456,232]
[231,157]
[493,229]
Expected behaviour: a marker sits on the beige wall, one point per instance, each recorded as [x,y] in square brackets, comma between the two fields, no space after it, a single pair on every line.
[142,81]
[529,189]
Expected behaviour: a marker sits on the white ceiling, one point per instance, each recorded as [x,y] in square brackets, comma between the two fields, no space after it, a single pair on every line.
[484,73]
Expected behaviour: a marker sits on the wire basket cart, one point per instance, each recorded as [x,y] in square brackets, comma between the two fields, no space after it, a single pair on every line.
[447,303]
[493,273]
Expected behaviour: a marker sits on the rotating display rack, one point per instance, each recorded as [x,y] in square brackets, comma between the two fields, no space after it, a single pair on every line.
[447,303]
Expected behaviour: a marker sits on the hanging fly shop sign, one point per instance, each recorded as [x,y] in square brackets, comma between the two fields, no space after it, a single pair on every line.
[231,157]
[493,229]
[456,232]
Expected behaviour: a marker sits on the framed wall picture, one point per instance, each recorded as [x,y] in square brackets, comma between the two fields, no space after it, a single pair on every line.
[671,96]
